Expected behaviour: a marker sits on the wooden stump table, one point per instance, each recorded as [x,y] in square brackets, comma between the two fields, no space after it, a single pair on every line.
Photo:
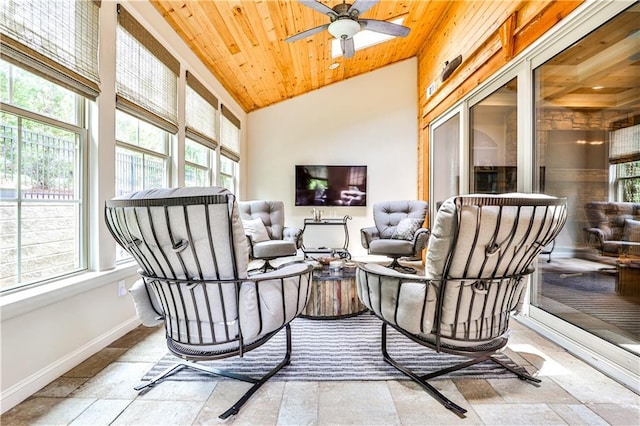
[333,295]
[628,278]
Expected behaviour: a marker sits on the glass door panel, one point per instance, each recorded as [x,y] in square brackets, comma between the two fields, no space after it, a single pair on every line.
[494,142]
[587,139]
[445,167]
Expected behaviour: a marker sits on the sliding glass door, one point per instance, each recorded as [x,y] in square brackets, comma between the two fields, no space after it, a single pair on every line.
[587,138]
[564,119]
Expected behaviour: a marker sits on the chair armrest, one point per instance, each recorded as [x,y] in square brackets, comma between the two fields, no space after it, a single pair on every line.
[269,300]
[384,290]
[367,235]
[421,239]
[390,272]
[595,237]
[292,233]
[148,308]
[287,270]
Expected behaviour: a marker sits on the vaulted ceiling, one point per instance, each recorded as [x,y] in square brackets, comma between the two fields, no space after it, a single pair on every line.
[242,43]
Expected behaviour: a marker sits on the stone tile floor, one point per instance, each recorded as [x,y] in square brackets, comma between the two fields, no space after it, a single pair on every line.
[100,392]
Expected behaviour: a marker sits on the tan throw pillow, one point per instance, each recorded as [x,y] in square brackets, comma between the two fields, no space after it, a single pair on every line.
[256,230]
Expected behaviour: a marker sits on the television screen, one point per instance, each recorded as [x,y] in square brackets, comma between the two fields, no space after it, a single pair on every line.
[331,185]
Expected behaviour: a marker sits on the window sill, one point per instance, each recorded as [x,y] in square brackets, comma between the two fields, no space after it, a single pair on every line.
[25,301]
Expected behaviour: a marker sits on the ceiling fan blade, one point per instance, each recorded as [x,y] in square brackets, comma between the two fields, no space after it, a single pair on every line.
[348,48]
[362,6]
[384,27]
[306,33]
[320,7]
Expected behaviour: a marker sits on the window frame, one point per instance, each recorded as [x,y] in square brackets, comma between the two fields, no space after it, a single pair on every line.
[81,131]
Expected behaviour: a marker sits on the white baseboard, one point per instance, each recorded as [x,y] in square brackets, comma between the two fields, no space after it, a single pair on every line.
[30,385]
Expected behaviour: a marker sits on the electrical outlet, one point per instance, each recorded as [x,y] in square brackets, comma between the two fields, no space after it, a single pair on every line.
[122,288]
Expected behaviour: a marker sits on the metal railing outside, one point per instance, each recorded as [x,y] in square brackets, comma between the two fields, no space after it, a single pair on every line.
[47,169]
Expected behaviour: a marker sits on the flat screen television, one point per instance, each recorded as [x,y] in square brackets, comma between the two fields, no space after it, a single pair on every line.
[331,185]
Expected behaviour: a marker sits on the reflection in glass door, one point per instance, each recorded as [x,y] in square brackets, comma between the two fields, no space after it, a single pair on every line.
[445,171]
[494,142]
[587,138]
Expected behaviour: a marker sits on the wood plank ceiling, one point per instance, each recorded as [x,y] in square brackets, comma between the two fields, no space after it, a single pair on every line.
[242,43]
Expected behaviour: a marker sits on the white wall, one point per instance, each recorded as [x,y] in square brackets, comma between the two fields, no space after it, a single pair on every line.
[366,120]
[47,330]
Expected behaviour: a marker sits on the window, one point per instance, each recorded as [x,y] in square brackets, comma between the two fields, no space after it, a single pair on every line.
[146,98]
[142,155]
[364,39]
[228,173]
[142,158]
[200,144]
[60,43]
[624,157]
[28,91]
[201,112]
[146,75]
[41,180]
[628,181]
[48,71]
[229,157]
[198,170]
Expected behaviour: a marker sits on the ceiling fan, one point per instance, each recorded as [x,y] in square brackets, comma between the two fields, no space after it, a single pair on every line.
[345,23]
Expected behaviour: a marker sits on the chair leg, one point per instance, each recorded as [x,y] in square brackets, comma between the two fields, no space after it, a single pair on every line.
[235,408]
[422,380]
[257,383]
[430,389]
[169,371]
[521,375]
[266,266]
[398,267]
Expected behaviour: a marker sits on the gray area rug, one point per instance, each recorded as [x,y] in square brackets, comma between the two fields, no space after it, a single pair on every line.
[338,350]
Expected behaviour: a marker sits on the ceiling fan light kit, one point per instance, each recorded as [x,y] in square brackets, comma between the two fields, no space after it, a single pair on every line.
[343,28]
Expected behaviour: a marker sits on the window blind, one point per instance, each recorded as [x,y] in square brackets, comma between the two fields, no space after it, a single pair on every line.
[146,75]
[56,41]
[201,113]
[230,134]
[624,145]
